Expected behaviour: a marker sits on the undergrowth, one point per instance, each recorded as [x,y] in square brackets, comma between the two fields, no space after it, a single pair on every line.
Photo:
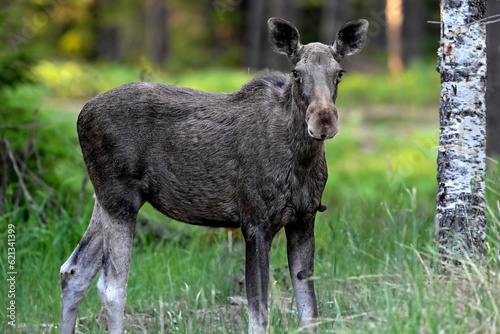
[374,274]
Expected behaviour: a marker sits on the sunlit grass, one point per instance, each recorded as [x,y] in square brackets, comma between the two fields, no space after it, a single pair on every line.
[418,86]
[79,80]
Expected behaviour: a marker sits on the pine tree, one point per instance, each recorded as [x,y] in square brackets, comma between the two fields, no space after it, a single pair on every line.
[460,214]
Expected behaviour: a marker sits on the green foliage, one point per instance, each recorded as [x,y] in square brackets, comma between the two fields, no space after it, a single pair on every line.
[15,64]
[14,69]
[46,148]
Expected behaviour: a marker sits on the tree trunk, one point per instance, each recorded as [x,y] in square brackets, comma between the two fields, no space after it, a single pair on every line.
[106,37]
[394,17]
[493,97]
[378,23]
[460,214]
[256,24]
[156,31]
[413,30]
[288,10]
[334,14]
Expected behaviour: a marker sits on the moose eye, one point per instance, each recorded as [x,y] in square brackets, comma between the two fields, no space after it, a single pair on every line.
[339,77]
[295,74]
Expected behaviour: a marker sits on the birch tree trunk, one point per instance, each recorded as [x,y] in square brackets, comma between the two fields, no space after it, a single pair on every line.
[460,214]
[493,98]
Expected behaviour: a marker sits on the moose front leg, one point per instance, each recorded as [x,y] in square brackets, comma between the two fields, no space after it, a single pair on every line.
[258,246]
[300,248]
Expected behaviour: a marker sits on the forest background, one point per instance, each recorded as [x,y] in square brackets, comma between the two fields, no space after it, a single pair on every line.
[374,243]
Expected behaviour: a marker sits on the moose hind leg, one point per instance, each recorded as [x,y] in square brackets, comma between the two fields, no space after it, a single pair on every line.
[112,284]
[300,249]
[79,270]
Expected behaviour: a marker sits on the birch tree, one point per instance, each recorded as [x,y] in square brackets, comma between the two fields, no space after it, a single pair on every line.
[493,96]
[460,214]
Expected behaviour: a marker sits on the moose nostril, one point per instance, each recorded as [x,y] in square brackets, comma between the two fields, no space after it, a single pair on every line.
[323,136]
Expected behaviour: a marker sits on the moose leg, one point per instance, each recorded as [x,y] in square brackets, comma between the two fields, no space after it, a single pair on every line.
[79,270]
[112,284]
[300,248]
[257,280]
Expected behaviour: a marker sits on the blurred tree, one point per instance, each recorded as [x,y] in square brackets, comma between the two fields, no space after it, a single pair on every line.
[259,53]
[255,34]
[198,33]
[289,10]
[374,12]
[414,24]
[460,212]
[106,36]
[334,14]
[156,31]
[394,18]
[493,96]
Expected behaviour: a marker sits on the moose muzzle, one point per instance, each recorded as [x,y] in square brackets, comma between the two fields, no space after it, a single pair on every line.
[322,119]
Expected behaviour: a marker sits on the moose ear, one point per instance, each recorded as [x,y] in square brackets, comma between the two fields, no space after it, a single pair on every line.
[350,39]
[284,38]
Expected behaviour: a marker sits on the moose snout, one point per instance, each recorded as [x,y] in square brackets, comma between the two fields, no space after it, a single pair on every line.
[322,123]
[323,135]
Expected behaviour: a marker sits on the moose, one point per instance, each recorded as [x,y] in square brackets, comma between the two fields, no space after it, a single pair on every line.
[252,159]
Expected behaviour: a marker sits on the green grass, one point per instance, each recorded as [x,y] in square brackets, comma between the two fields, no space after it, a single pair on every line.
[418,86]
[79,80]
[373,274]
[374,254]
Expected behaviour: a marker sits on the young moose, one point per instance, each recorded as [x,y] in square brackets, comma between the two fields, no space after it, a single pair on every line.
[252,159]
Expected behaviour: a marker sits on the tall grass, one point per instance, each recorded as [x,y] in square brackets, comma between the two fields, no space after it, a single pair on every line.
[374,267]
[374,274]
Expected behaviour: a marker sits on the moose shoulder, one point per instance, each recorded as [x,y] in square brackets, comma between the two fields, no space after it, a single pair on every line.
[252,159]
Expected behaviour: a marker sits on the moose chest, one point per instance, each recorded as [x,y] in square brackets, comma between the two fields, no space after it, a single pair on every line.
[283,192]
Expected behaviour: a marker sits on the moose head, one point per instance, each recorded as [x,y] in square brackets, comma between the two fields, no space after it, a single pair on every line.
[316,71]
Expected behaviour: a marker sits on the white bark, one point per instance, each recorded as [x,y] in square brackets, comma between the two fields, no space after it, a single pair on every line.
[460,214]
